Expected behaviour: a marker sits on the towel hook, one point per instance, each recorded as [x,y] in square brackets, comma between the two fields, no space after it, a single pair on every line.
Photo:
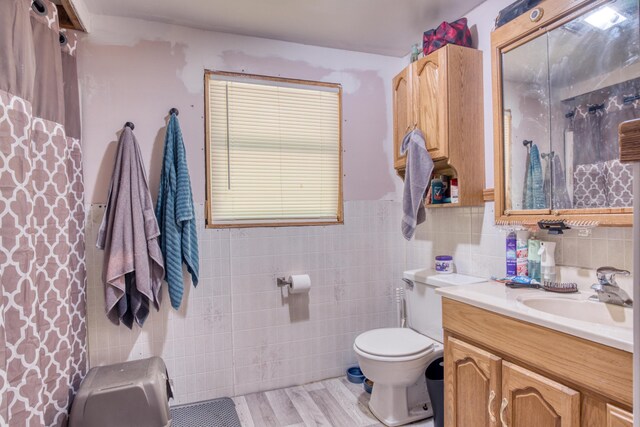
[130,125]
[527,143]
[174,110]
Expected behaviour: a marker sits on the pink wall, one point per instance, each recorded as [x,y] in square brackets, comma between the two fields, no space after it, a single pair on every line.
[133,70]
[481,22]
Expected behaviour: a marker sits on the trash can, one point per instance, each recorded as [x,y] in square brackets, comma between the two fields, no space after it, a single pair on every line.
[435,386]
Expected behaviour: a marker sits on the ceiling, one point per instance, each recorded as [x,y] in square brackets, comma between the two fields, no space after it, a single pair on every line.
[387,27]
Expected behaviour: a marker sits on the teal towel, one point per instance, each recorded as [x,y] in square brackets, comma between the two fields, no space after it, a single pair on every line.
[175,214]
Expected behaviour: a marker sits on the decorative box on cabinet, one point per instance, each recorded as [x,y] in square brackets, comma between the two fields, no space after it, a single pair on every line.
[441,94]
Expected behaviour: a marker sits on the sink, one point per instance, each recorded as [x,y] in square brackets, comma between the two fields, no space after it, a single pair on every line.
[583,310]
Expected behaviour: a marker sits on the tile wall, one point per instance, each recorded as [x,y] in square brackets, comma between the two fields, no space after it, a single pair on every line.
[479,248]
[236,332]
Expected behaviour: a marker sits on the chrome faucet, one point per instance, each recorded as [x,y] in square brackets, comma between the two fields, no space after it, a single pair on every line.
[607,290]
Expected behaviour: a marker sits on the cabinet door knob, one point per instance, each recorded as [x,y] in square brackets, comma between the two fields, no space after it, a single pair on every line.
[492,396]
[503,408]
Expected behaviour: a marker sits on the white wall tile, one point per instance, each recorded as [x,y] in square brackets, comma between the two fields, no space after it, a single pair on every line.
[478,248]
[237,332]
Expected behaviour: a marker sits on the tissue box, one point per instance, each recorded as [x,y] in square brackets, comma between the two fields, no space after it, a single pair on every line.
[125,394]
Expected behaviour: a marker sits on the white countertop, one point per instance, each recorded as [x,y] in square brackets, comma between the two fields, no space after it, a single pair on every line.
[498,298]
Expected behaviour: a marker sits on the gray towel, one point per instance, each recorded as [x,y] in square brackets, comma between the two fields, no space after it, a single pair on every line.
[561,199]
[417,176]
[133,265]
[546,182]
[533,195]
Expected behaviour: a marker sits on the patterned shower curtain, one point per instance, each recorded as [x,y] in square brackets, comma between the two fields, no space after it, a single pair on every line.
[599,179]
[42,268]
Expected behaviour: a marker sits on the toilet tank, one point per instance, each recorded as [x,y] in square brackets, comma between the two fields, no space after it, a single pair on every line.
[424,306]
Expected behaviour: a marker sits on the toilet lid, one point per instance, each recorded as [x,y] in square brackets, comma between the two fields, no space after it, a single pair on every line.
[393,342]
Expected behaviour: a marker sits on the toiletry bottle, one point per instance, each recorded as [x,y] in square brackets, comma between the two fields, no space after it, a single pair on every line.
[437,191]
[454,190]
[522,248]
[534,258]
[415,52]
[548,261]
[511,254]
[445,184]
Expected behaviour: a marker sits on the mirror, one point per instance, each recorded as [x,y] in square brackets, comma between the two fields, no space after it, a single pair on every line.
[564,93]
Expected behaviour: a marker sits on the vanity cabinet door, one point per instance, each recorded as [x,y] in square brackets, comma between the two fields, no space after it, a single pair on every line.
[531,400]
[472,385]
[403,115]
[617,417]
[430,99]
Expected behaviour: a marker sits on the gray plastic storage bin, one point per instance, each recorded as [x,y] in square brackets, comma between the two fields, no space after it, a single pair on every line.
[132,394]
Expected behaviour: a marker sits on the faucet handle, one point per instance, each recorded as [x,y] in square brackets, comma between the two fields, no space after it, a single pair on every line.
[606,275]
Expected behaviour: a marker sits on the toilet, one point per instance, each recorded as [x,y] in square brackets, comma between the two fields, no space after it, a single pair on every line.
[395,359]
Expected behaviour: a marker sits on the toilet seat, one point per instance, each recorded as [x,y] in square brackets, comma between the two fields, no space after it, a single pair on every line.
[393,344]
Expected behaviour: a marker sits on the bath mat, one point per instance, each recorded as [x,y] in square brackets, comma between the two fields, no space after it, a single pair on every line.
[211,413]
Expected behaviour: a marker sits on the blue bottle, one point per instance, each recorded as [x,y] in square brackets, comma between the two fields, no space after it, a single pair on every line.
[437,191]
[512,258]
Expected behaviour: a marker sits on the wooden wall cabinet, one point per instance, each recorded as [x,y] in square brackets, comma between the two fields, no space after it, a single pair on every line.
[441,94]
[508,373]
[430,92]
[403,115]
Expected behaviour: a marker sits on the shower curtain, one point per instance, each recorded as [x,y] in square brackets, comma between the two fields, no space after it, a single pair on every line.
[42,268]
[599,179]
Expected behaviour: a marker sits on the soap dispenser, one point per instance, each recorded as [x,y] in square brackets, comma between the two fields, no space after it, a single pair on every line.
[548,261]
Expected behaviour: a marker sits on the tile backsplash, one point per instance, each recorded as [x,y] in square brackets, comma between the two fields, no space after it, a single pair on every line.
[237,332]
[478,247]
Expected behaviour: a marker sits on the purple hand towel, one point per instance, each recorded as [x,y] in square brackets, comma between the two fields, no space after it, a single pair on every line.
[133,265]
[417,176]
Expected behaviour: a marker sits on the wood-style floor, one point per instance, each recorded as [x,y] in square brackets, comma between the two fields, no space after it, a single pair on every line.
[335,402]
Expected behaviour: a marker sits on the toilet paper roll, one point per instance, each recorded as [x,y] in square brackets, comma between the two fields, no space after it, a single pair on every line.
[300,283]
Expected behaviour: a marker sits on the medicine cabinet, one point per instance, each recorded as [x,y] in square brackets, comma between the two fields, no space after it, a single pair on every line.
[565,75]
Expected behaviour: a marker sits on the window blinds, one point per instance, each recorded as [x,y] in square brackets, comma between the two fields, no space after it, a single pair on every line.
[274,152]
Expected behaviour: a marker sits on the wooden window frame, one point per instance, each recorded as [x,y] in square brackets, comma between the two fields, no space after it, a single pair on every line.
[209,223]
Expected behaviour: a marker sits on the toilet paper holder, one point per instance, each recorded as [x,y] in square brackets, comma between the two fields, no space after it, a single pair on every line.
[283,281]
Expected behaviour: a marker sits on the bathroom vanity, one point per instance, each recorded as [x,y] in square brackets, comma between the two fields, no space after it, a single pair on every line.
[522,358]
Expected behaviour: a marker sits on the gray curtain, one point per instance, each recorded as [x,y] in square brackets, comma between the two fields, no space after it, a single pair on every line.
[42,268]
[596,132]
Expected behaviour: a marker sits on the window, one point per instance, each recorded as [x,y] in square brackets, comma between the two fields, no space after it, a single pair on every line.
[273,151]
